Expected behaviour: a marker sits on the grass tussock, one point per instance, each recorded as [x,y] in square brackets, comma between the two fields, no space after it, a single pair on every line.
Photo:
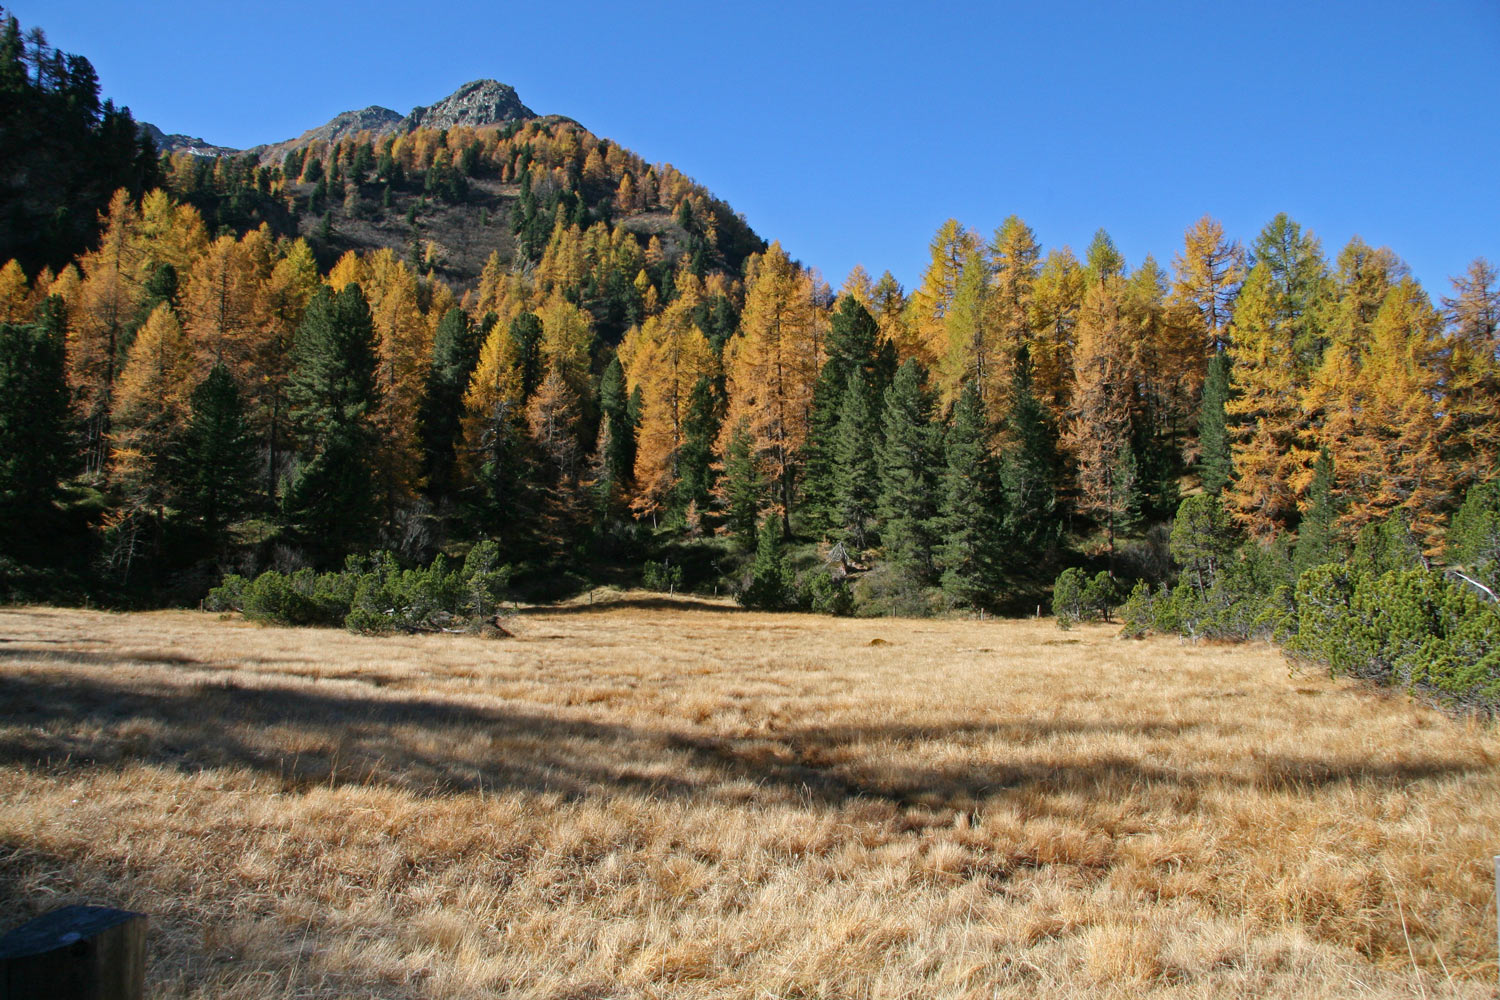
[649,798]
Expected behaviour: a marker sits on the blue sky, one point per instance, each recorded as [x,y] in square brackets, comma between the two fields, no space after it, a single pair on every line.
[850,132]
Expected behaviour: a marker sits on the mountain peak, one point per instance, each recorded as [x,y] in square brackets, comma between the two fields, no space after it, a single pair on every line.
[477,103]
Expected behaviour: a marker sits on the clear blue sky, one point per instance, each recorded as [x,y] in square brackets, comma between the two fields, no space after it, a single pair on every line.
[850,132]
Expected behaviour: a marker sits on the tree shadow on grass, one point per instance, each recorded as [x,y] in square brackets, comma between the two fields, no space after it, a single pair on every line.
[338,734]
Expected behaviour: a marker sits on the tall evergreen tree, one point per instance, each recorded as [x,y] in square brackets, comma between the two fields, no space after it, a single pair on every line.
[854,352]
[969,519]
[856,482]
[455,353]
[215,465]
[330,500]
[908,495]
[617,432]
[700,429]
[526,331]
[1030,471]
[33,427]
[1215,468]
[740,488]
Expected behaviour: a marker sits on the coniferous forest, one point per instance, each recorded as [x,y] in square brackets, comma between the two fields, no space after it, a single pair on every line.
[204,394]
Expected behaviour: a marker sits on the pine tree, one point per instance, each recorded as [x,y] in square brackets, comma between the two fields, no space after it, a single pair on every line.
[1102,260]
[700,429]
[617,430]
[1203,538]
[33,427]
[1215,467]
[526,332]
[818,458]
[214,468]
[330,500]
[855,469]
[1299,275]
[770,584]
[1316,541]
[908,495]
[1473,542]
[740,488]
[455,353]
[969,517]
[1030,472]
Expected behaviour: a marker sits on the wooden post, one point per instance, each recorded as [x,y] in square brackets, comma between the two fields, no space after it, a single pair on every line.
[1497,916]
[76,953]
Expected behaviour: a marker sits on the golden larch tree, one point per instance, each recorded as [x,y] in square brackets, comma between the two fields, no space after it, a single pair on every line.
[928,306]
[663,358]
[1382,420]
[1056,297]
[1208,275]
[1271,437]
[1471,375]
[1098,433]
[770,370]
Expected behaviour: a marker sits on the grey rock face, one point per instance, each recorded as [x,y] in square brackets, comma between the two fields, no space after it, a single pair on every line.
[476,104]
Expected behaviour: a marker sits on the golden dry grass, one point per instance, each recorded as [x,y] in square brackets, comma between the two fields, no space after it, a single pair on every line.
[659,799]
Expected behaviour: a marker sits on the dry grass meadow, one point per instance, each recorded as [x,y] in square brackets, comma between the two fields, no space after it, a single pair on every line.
[664,799]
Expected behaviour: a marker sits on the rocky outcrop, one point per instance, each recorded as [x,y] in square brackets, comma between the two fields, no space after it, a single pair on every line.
[475,104]
[376,120]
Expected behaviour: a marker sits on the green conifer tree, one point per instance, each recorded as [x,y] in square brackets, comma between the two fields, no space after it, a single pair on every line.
[215,465]
[741,488]
[1316,542]
[617,463]
[856,471]
[1473,542]
[700,429]
[1215,468]
[33,427]
[455,353]
[330,501]
[908,496]
[1030,471]
[969,521]
[770,584]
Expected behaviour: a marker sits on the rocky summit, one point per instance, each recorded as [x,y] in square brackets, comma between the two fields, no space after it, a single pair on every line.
[476,104]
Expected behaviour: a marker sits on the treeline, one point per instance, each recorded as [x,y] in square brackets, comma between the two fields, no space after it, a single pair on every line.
[228,401]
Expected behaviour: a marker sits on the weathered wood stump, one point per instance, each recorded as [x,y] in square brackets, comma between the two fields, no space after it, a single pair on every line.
[75,953]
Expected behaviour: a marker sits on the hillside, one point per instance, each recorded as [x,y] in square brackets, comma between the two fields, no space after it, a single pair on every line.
[448,214]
